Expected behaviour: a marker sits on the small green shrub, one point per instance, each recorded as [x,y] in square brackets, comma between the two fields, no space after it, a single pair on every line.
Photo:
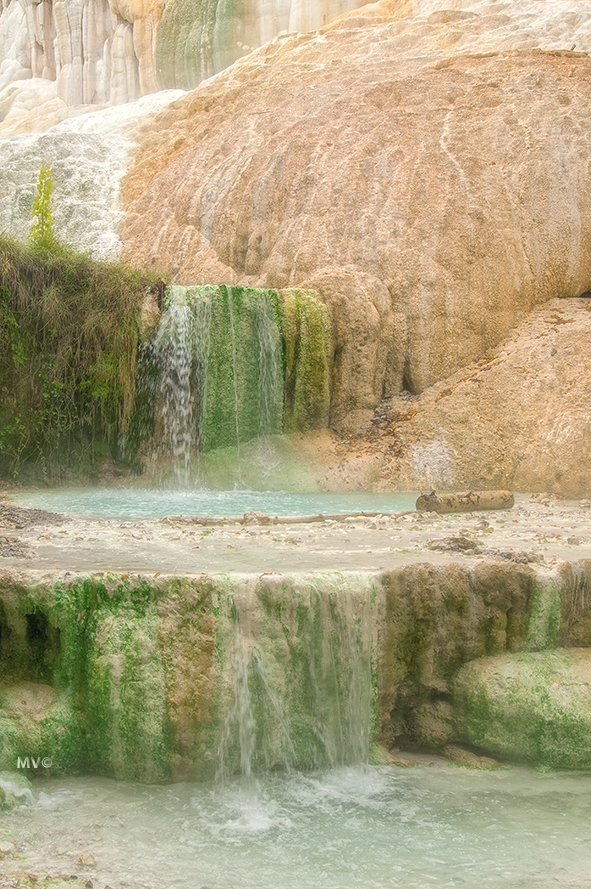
[42,235]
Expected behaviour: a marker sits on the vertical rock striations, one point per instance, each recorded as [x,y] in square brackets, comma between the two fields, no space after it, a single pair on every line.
[57,55]
[198,38]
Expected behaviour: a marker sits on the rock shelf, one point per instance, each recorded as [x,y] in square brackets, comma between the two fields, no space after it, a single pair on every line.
[546,531]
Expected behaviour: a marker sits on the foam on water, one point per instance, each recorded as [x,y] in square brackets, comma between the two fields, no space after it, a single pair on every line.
[349,828]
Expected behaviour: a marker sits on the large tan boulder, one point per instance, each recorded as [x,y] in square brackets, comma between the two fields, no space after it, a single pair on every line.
[518,418]
[426,172]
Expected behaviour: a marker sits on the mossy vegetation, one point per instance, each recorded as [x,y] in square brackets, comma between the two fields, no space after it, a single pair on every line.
[234,374]
[125,721]
[69,333]
[231,364]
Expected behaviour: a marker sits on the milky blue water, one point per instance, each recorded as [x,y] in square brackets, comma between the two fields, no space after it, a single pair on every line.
[350,828]
[135,503]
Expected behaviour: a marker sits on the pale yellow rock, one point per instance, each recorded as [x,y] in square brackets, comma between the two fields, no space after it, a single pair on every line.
[27,700]
[462,757]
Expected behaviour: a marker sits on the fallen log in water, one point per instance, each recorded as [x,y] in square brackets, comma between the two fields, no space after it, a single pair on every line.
[467,501]
[260,518]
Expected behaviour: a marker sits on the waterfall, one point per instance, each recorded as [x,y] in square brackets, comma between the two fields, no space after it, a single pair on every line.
[227,369]
[302,698]
[216,370]
[270,375]
[234,376]
[174,346]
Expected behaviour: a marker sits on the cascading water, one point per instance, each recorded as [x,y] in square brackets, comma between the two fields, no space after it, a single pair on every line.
[302,698]
[173,344]
[270,381]
[215,370]
[234,377]
[227,371]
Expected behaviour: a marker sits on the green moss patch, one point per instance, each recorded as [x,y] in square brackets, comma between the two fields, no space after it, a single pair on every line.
[533,707]
[306,332]
[39,730]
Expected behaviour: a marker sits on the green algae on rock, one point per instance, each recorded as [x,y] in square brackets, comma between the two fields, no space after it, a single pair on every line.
[181,678]
[38,725]
[230,364]
[544,614]
[123,686]
[306,331]
[531,706]
[436,619]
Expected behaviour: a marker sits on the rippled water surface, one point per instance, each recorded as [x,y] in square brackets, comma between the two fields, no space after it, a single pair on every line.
[154,503]
[351,828]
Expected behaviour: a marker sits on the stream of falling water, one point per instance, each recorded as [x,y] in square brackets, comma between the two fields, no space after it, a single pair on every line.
[304,703]
[215,371]
[269,366]
[173,343]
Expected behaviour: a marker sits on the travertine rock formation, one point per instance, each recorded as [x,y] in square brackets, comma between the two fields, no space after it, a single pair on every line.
[178,677]
[427,174]
[57,55]
[63,54]
[198,39]
[423,165]
[88,156]
[518,418]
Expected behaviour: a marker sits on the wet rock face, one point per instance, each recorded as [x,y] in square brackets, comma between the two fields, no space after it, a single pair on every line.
[431,195]
[173,678]
[437,619]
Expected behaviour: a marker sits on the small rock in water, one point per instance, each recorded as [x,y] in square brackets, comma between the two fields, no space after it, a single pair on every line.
[463,757]
[402,762]
[88,859]
[253,517]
